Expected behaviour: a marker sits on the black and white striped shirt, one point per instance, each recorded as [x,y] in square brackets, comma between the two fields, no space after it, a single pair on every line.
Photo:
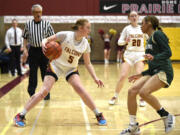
[35,32]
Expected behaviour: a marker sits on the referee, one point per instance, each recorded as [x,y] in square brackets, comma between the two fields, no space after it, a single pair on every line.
[35,30]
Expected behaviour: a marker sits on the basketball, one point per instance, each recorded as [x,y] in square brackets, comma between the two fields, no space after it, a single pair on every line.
[53,51]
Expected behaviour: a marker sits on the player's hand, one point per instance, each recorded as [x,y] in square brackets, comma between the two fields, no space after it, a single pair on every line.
[99,83]
[148,57]
[9,50]
[133,78]
[22,49]
[128,39]
[25,55]
[44,42]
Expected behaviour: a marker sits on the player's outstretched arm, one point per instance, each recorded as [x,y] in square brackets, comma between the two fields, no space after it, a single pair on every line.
[90,69]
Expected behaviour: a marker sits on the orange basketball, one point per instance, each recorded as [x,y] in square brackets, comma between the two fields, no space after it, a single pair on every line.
[53,51]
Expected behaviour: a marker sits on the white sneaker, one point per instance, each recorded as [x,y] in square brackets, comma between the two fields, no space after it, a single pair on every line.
[142,103]
[131,130]
[113,100]
[169,123]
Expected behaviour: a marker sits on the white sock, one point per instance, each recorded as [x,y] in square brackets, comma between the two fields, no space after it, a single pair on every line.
[116,94]
[23,112]
[132,119]
[96,112]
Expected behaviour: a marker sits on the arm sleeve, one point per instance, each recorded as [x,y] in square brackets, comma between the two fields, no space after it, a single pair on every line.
[88,50]
[7,40]
[50,30]
[122,38]
[61,36]
[162,41]
[26,32]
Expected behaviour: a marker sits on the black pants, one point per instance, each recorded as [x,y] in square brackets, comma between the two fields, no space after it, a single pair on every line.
[15,60]
[36,59]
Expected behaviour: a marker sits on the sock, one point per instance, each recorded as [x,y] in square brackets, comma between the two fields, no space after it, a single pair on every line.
[162,112]
[23,112]
[116,94]
[132,119]
[96,112]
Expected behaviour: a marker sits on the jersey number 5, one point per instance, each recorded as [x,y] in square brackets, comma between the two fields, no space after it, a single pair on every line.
[70,60]
[136,42]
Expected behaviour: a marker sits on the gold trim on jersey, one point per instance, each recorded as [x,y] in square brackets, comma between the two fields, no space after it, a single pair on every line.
[51,68]
[162,76]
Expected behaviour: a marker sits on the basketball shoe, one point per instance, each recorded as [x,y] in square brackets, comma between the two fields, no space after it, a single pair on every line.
[100,119]
[131,130]
[19,120]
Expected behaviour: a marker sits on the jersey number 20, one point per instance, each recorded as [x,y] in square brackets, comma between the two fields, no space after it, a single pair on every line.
[136,42]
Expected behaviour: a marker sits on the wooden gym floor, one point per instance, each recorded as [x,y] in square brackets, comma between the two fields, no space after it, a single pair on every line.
[66,114]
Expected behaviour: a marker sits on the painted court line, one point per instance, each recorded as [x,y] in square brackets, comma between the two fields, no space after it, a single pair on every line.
[10,85]
[10,123]
[4,90]
[88,127]
[37,117]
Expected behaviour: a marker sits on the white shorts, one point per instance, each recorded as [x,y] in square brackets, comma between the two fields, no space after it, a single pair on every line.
[133,57]
[57,70]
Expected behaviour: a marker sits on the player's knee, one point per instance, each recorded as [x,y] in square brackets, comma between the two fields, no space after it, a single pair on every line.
[44,92]
[143,93]
[122,77]
[132,91]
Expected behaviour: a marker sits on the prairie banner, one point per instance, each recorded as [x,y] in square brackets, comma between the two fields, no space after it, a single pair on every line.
[146,7]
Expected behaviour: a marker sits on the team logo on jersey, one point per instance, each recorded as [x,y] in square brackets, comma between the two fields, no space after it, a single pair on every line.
[72,52]
[149,46]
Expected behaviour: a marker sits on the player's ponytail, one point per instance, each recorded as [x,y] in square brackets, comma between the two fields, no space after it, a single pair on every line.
[79,22]
[159,28]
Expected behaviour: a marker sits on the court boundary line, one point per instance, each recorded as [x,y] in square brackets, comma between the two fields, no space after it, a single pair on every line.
[152,121]
[88,127]
[13,83]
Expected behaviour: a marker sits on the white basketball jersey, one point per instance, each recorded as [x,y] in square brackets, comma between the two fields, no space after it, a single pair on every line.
[71,49]
[136,37]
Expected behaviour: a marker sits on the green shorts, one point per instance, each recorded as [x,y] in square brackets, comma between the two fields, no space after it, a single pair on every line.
[165,75]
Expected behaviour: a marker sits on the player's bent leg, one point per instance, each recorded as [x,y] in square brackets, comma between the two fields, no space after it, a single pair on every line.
[139,67]
[145,93]
[148,88]
[47,85]
[123,75]
[133,128]
[132,93]
[75,81]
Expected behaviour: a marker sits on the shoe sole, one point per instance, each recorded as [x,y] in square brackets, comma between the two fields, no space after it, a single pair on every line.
[102,124]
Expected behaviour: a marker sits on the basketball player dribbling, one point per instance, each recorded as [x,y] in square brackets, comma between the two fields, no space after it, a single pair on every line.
[74,45]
